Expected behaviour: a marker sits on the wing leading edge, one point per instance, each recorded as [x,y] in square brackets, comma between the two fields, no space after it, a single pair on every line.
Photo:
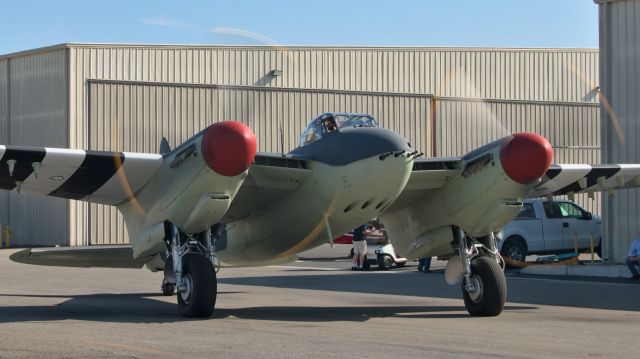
[560,179]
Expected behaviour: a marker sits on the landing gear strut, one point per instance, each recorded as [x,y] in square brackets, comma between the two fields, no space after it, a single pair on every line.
[484,287]
[190,271]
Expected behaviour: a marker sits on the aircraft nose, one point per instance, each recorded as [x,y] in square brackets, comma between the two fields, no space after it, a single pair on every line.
[360,143]
[228,147]
[526,157]
[352,144]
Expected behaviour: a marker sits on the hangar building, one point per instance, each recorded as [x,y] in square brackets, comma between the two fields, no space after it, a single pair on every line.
[620,85]
[446,101]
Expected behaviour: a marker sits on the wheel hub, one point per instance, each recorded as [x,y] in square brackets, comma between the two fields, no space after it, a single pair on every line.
[187,288]
[515,253]
[476,294]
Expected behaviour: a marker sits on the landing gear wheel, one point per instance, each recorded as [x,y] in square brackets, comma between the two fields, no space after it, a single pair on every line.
[491,288]
[198,298]
[167,288]
[385,262]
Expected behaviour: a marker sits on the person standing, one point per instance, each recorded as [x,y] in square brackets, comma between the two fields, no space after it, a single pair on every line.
[359,247]
[633,258]
[424,264]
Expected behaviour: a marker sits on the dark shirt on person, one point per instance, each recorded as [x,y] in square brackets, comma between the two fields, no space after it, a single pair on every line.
[358,233]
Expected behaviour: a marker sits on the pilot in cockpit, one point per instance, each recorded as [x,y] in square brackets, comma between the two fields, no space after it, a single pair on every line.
[330,124]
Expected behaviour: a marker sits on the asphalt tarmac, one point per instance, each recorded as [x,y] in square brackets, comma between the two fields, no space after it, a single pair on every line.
[315,307]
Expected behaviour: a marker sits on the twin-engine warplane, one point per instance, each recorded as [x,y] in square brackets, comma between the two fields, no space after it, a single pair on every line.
[214,200]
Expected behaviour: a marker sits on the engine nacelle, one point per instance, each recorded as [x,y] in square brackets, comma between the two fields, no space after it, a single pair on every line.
[194,187]
[493,181]
[486,194]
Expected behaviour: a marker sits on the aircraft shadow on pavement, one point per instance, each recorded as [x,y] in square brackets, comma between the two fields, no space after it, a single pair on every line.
[546,292]
[351,314]
[118,308]
[139,308]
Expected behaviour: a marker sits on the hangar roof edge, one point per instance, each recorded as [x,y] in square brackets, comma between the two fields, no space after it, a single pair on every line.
[67,45]
[600,2]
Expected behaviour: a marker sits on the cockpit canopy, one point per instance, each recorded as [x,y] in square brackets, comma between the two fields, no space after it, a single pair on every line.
[334,121]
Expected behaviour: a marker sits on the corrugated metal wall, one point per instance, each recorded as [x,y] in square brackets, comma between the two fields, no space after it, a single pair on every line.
[127,116]
[532,74]
[4,133]
[38,117]
[490,120]
[620,84]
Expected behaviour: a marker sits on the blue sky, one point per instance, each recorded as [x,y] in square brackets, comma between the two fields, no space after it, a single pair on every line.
[27,24]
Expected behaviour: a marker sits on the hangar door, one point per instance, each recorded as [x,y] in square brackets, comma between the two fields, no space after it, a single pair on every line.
[134,116]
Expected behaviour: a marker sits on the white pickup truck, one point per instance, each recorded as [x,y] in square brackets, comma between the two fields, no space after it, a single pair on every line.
[544,227]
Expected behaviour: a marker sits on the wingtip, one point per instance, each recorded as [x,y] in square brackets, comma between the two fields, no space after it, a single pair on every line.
[21,256]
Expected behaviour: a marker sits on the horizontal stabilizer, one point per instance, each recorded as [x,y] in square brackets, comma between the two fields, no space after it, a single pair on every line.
[93,256]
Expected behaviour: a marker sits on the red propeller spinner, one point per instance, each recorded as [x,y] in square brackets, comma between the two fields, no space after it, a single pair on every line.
[526,157]
[228,147]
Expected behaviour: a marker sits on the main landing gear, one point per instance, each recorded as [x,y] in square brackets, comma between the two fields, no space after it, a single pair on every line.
[190,271]
[484,287]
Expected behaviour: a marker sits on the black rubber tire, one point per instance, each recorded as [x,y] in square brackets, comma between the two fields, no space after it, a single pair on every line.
[494,288]
[599,249]
[202,297]
[385,262]
[351,253]
[168,288]
[514,252]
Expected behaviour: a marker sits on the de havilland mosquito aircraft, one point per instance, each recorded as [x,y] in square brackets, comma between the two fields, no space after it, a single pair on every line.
[214,201]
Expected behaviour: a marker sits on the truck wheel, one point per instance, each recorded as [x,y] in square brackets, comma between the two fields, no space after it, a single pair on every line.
[514,252]
[599,249]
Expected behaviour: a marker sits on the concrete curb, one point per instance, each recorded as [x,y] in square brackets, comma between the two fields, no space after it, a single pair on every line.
[587,270]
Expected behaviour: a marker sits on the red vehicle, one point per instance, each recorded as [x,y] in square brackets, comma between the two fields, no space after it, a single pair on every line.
[372,237]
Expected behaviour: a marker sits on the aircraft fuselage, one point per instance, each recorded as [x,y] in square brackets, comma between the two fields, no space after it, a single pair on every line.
[343,197]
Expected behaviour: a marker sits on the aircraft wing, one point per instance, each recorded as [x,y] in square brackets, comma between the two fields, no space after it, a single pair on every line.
[271,176]
[93,256]
[92,176]
[428,175]
[579,178]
